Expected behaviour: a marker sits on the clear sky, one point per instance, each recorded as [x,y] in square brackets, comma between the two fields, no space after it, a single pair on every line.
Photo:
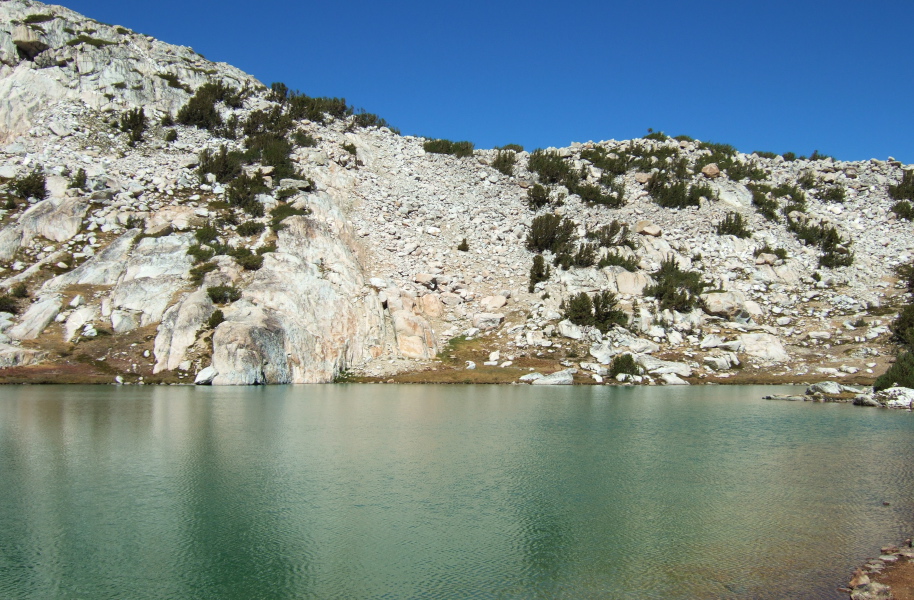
[798,76]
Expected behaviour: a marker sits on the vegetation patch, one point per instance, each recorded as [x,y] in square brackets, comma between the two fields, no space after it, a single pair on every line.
[30,186]
[539,272]
[223,294]
[504,162]
[550,232]
[599,311]
[676,289]
[458,149]
[733,224]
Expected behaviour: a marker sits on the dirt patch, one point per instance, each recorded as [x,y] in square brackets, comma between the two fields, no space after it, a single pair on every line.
[899,577]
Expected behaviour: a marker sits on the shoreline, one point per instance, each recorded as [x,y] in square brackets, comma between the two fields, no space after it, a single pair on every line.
[890,576]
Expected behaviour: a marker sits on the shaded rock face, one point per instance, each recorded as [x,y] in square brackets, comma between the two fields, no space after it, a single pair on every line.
[250,349]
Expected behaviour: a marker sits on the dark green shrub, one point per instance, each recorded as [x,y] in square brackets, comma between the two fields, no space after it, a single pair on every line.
[200,254]
[38,18]
[173,81]
[271,247]
[167,121]
[739,171]
[537,197]
[669,194]
[19,290]
[512,147]
[504,162]
[612,164]
[550,232]
[733,224]
[904,190]
[763,203]
[835,249]
[623,364]
[684,138]
[223,294]
[198,272]
[656,135]
[305,140]
[223,164]
[350,148]
[764,154]
[593,194]
[796,199]
[833,193]
[9,305]
[134,123]
[249,228]
[905,273]
[614,259]
[551,168]
[30,186]
[273,149]
[766,249]
[463,246]
[242,193]
[200,111]
[250,262]
[789,156]
[301,106]
[903,326]
[807,180]
[676,289]
[540,271]
[206,234]
[89,41]
[10,204]
[904,210]
[458,149]
[366,119]
[135,222]
[284,211]
[215,319]
[614,234]
[816,155]
[79,180]
[901,373]
[599,311]
[171,136]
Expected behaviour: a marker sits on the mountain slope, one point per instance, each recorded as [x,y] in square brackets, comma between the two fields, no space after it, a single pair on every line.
[269,237]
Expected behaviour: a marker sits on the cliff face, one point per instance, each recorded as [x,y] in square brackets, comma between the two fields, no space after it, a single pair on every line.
[350,262]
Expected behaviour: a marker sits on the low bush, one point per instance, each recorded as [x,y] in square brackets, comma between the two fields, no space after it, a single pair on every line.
[550,232]
[904,190]
[463,246]
[200,254]
[167,120]
[903,210]
[19,290]
[198,272]
[763,203]
[670,194]
[201,112]
[833,193]
[215,319]
[512,147]
[350,148]
[807,180]
[207,234]
[658,136]
[9,305]
[905,273]
[599,311]
[764,154]
[284,211]
[613,164]
[623,364]
[584,256]
[540,271]
[537,197]
[134,123]
[903,326]
[79,180]
[223,164]
[223,294]
[676,289]
[305,140]
[594,195]
[89,41]
[614,259]
[243,190]
[614,234]
[738,171]
[458,149]
[835,249]
[249,228]
[30,186]
[171,136]
[504,162]
[901,373]
[766,249]
[789,156]
[250,262]
[551,168]
[733,224]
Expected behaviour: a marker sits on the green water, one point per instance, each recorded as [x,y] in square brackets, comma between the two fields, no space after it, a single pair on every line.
[443,492]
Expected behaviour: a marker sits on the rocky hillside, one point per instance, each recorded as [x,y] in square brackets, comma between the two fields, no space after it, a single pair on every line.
[168,219]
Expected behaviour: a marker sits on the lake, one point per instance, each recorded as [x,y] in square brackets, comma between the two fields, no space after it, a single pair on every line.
[387,491]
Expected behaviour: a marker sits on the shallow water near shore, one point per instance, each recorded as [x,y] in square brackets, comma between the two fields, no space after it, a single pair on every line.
[386,491]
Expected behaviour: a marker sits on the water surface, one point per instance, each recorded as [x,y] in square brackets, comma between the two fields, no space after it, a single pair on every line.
[387,491]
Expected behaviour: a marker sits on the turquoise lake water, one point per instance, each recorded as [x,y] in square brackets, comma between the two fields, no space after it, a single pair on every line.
[385,491]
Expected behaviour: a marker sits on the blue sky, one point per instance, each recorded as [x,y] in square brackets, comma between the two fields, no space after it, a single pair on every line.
[798,76]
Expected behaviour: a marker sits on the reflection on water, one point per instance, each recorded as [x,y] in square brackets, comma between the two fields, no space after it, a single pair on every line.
[436,492]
